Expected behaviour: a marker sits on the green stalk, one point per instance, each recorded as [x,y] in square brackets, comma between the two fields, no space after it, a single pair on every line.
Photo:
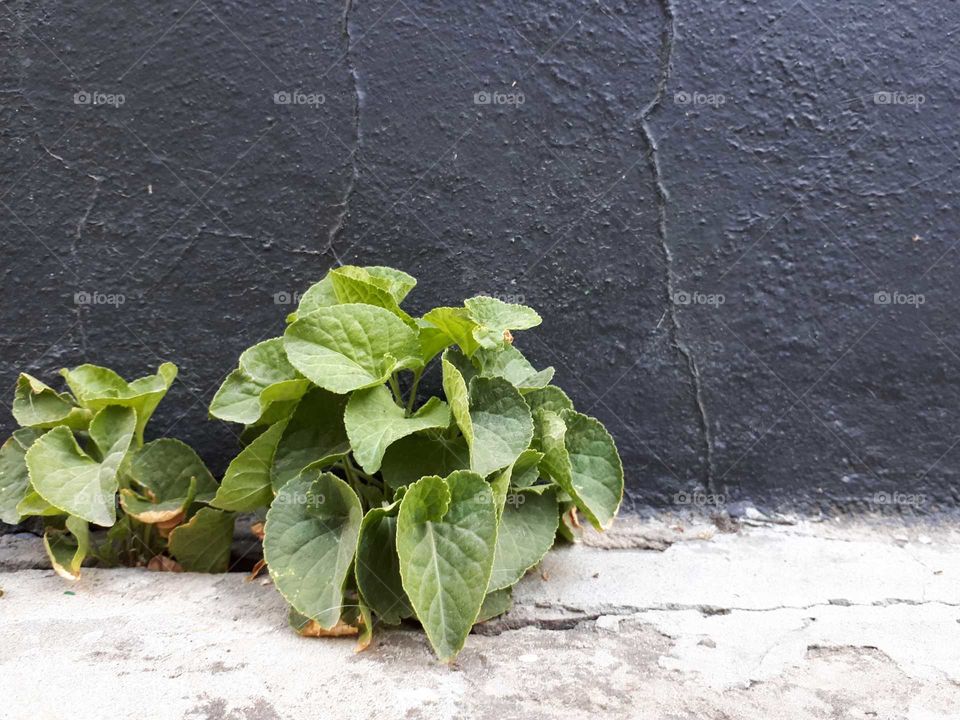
[395,389]
[417,374]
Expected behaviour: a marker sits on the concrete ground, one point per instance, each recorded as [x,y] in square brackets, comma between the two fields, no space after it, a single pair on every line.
[657,619]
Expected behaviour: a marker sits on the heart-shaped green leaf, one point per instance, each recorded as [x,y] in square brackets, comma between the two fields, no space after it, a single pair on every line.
[495,319]
[202,544]
[68,548]
[247,483]
[349,347]
[14,478]
[310,541]
[500,424]
[378,567]
[446,537]
[457,325]
[165,468]
[99,387]
[416,456]
[39,406]
[581,457]
[528,526]
[374,421]
[510,364]
[68,478]
[314,434]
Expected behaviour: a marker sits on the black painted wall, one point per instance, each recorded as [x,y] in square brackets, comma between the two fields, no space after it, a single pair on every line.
[703,199]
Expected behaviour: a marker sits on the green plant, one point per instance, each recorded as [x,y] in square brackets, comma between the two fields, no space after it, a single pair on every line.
[381,505]
[79,460]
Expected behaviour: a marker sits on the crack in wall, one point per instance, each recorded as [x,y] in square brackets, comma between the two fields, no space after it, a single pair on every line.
[663,197]
[344,203]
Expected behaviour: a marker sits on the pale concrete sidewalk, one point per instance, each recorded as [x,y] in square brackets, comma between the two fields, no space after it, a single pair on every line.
[815,620]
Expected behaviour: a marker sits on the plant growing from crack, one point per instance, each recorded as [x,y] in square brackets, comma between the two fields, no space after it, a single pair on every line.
[382,505]
[79,462]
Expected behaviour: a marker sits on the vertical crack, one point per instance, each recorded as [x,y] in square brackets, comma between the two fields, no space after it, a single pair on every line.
[82,222]
[663,196]
[344,203]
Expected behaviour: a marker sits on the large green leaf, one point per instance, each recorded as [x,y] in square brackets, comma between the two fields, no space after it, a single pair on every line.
[314,433]
[581,457]
[415,456]
[68,548]
[99,387]
[202,544]
[501,425]
[446,537]
[264,379]
[348,347]
[374,421]
[310,541]
[495,319]
[378,567]
[68,478]
[457,325]
[39,406]
[165,467]
[510,364]
[247,484]
[14,478]
[528,527]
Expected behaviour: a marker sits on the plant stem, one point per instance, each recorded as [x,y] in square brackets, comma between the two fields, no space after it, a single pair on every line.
[417,374]
[395,389]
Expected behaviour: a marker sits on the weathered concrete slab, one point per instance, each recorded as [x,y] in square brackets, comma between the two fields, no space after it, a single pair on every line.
[809,621]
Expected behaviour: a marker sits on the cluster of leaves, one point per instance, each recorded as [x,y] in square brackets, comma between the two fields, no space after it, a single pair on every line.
[380,505]
[79,462]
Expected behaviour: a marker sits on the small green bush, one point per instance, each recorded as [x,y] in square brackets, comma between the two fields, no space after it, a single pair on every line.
[77,453]
[382,505]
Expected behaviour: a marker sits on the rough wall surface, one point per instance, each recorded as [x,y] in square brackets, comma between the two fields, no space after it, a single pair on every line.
[736,218]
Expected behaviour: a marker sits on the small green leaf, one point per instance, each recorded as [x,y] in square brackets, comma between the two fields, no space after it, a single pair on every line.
[246,485]
[528,526]
[458,395]
[350,347]
[32,505]
[495,603]
[68,478]
[581,457]
[374,421]
[378,567]
[457,325]
[151,511]
[355,285]
[446,536]
[415,456]
[396,282]
[510,364]
[525,471]
[14,478]
[165,468]
[432,340]
[310,541]
[39,406]
[501,425]
[202,544]
[549,398]
[68,548]
[314,434]
[99,387]
[495,319]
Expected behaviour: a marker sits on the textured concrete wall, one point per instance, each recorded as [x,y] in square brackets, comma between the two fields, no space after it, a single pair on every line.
[703,199]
